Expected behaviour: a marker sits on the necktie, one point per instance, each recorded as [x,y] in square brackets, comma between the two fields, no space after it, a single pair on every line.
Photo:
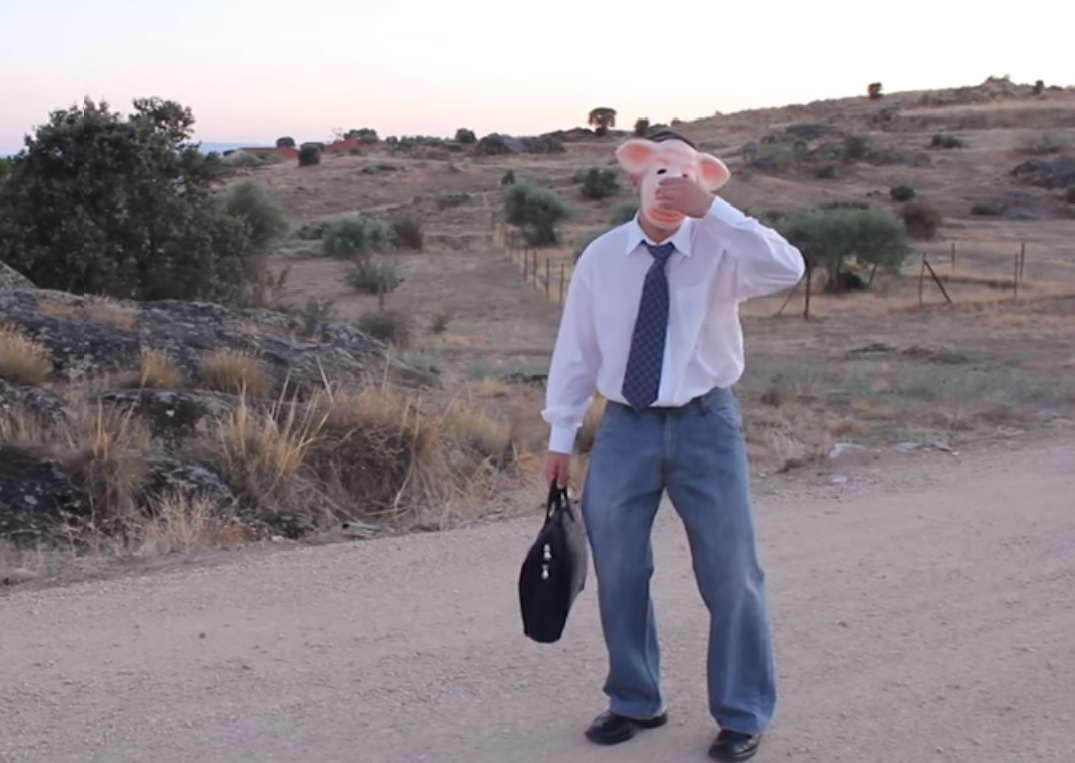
[642,378]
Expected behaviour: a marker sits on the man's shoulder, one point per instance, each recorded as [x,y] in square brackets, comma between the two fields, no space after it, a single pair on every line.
[604,245]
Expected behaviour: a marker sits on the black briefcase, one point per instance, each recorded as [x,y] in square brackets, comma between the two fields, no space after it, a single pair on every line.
[553,573]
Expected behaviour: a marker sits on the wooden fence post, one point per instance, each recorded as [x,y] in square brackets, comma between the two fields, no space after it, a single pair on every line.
[1015,278]
[561,283]
[1022,260]
[953,271]
[936,280]
[548,277]
[806,302]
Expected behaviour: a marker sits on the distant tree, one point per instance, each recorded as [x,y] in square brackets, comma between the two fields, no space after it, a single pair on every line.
[921,220]
[641,126]
[1039,87]
[309,154]
[536,211]
[5,167]
[265,221]
[901,192]
[601,119]
[600,183]
[125,207]
[362,135]
[465,135]
[285,142]
[874,91]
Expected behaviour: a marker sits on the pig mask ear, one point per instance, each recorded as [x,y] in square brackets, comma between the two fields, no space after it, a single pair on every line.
[633,155]
[712,172]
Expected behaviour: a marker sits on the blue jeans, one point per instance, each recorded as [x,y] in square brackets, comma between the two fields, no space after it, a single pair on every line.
[697,453]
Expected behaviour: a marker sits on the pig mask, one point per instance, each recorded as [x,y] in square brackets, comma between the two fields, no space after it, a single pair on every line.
[650,161]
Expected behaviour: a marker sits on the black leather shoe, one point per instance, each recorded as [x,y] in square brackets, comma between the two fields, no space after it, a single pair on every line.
[609,728]
[733,746]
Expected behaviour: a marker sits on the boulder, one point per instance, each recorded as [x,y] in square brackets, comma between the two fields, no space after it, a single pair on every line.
[41,502]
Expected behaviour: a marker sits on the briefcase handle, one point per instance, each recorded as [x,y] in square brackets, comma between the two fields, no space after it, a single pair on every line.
[557,502]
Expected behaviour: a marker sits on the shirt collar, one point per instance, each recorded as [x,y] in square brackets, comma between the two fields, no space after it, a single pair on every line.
[681,238]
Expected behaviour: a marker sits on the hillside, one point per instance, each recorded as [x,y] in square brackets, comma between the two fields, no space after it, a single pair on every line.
[468,326]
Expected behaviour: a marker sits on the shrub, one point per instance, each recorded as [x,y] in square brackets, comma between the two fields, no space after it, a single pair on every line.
[947,141]
[901,192]
[855,148]
[830,238]
[356,236]
[309,155]
[874,91]
[508,178]
[922,220]
[264,218]
[1041,142]
[641,127]
[98,203]
[393,327]
[624,213]
[1069,196]
[407,233]
[5,167]
[536,211]
[285,142]
[374,276]
[987,209]
[440,320]
[600,184]
[465,136]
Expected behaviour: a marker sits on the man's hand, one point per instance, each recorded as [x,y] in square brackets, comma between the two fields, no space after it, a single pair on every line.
[683,195]
[557,466]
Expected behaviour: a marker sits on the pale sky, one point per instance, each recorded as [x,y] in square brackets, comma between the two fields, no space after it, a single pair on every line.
[253,71]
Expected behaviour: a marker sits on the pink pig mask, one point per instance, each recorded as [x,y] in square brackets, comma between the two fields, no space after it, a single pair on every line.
[648,162]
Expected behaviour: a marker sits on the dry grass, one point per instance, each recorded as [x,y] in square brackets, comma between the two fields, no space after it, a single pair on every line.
[107,310]
[157,370]
[22,360]
[236,372]
[180,523]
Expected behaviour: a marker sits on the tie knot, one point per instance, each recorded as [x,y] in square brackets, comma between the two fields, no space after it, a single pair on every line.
[661,252]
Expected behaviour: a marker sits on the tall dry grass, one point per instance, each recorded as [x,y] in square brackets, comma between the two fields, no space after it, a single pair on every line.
[22,360]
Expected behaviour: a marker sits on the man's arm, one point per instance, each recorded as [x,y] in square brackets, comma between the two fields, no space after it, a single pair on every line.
[575,360]
[763,262]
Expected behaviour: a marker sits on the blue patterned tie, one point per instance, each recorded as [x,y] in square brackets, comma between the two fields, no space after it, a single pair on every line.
[642,378]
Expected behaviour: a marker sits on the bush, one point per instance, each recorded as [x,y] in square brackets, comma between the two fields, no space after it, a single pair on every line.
[356,236]
[901,192]
[536,212]
[830,238]
[465,136]
[921,220]
[624,213]
[855,148]
[641,127]
[1042,142]
[309,155]
[600,184]
[947,141]
[123,207]
[5,167]
[508,178]
[285,142]
[374,276]
[1069,196]
[874,91]
[264,218]
[987,209]
[407,233]
[392,327]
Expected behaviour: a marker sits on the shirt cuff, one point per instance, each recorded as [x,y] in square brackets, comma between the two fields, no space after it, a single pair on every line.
[562,439]
[723,212]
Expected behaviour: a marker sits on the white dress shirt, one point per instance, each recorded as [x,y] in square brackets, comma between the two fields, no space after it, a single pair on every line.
[720,260]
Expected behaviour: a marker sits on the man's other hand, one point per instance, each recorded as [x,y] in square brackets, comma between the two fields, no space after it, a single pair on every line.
[557,466]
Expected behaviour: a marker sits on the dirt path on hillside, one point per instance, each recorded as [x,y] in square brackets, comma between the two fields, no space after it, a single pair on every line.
[922,612]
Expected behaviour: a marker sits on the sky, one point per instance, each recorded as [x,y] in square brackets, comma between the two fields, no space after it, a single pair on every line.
[254,71]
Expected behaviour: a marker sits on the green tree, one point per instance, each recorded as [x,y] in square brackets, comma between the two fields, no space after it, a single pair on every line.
[285,142]
[124,207]
[601,119]
[641,126]
[266,224]
[5,167]
[535,211]
[356,237]
[465,135]
[831,239]
[600,183]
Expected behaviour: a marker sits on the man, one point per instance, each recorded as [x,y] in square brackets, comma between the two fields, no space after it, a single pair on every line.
[651,323]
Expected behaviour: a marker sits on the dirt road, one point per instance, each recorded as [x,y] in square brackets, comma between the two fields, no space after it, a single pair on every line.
[922,612]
